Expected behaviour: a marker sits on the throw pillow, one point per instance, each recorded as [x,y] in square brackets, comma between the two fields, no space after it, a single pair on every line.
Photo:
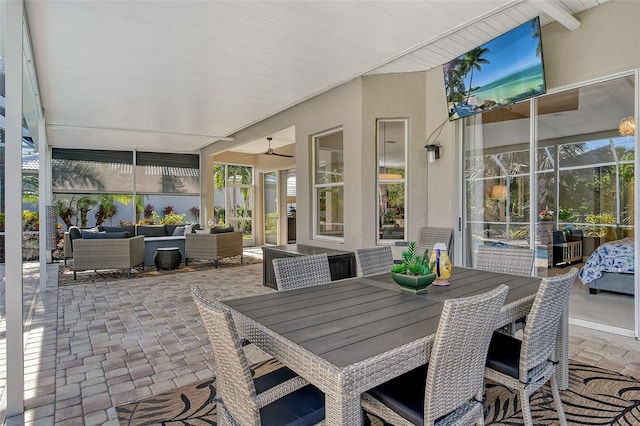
[188,229]
[179,231]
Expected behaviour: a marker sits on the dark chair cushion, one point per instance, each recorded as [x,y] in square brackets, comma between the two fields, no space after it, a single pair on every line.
[168,229]
[504,354]
[302,407]
[221,230]
[178,232]
[74,233]
[152,230]
[104,235]
[404,394]
[131,229]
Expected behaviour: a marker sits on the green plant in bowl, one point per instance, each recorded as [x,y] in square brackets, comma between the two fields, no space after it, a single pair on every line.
[414,274]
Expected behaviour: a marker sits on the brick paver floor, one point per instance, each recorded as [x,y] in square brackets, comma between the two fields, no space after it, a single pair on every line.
[91,347]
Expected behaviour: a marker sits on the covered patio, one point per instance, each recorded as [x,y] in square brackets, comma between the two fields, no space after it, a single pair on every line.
[92,347]
[274,91]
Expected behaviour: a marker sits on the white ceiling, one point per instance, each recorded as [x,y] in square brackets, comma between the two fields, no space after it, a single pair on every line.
[177,75]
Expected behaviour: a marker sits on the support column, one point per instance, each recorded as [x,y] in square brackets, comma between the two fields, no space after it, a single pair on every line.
[13,208]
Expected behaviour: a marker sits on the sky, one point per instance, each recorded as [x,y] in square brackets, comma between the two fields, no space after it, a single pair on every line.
[512,51]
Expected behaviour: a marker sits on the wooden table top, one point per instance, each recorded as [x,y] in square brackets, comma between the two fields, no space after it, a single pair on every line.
[348,321]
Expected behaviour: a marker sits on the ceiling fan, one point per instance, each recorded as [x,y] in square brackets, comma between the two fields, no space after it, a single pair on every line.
[270,151]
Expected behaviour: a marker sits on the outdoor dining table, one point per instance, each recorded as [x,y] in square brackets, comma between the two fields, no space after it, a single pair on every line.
[351,335]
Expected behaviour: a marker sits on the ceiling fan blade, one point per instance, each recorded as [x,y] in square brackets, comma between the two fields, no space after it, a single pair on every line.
[282,155]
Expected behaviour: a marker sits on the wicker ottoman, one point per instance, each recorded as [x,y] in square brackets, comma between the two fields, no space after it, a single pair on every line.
[167,258]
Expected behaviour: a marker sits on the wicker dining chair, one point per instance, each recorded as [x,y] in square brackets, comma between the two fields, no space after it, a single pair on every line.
[301,271]
[429,236]
[449,388]
[374,260]
[507,260]
[277,398]
[526,365]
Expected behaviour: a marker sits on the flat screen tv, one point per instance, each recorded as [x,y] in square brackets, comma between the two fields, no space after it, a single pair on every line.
[503,71]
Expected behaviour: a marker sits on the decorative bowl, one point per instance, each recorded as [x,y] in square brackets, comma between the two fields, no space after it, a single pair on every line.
[413,283]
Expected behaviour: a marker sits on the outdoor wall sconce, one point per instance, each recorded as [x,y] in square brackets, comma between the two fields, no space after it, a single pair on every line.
[433,152]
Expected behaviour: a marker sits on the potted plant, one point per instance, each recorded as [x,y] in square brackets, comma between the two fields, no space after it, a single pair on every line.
[414,274]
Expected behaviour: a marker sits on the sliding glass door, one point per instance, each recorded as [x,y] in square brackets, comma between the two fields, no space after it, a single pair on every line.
[573,194]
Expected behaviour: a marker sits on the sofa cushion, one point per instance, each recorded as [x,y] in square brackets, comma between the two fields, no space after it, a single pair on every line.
[104,235]
[152,230]
[131,229]
[178,232]
[74,233]
[221,230]
[169,228]
[188,228]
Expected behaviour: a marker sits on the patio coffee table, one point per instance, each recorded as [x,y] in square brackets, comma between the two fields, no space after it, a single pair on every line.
[348,336]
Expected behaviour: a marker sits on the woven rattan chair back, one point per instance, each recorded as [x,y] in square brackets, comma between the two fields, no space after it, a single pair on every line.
[429,236]
[301,271]
[507,260]
[456,365]
[543,321]
[235,386]
[374,260]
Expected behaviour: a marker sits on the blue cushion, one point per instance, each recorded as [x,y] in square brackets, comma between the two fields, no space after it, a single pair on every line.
[104,235]
[302,407]
[504,354]
[405,394]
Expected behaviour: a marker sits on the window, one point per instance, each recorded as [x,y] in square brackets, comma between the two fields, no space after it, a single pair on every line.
[233,198]
[392,142]
[328,185]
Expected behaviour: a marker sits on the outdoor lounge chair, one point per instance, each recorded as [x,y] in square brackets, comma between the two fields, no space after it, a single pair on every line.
[526,365]
[449,388]
[374,260]
[277,398]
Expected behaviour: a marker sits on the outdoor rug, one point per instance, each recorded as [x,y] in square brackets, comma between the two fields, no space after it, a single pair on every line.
[65,276]
[595,397]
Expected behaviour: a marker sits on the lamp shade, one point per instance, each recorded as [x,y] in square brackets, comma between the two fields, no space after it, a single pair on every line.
[499,192]
[627,127]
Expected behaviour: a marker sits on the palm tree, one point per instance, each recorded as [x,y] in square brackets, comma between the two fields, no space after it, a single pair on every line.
[107,208]
[235,175]
[474,61]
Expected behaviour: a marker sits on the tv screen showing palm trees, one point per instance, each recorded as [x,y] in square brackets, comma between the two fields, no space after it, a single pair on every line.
[503,71]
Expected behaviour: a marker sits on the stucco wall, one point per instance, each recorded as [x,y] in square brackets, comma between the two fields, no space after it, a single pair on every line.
[606,43]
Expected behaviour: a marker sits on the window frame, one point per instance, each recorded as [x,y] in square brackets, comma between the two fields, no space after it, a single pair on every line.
[316,187]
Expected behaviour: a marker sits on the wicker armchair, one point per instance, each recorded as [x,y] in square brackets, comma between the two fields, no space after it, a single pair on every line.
[279,397]
[374,260]
[301,271]
[120,253]
[213,246]
[448,389]
[507,260]
[429,236]
[526,365]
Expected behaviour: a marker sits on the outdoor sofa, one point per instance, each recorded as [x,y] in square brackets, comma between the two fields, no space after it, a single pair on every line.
[97,250]
[152,237]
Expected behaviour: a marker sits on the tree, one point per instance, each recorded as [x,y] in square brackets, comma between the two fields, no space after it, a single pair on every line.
[474,61]
[107,208]
[236,176]
[85,204]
